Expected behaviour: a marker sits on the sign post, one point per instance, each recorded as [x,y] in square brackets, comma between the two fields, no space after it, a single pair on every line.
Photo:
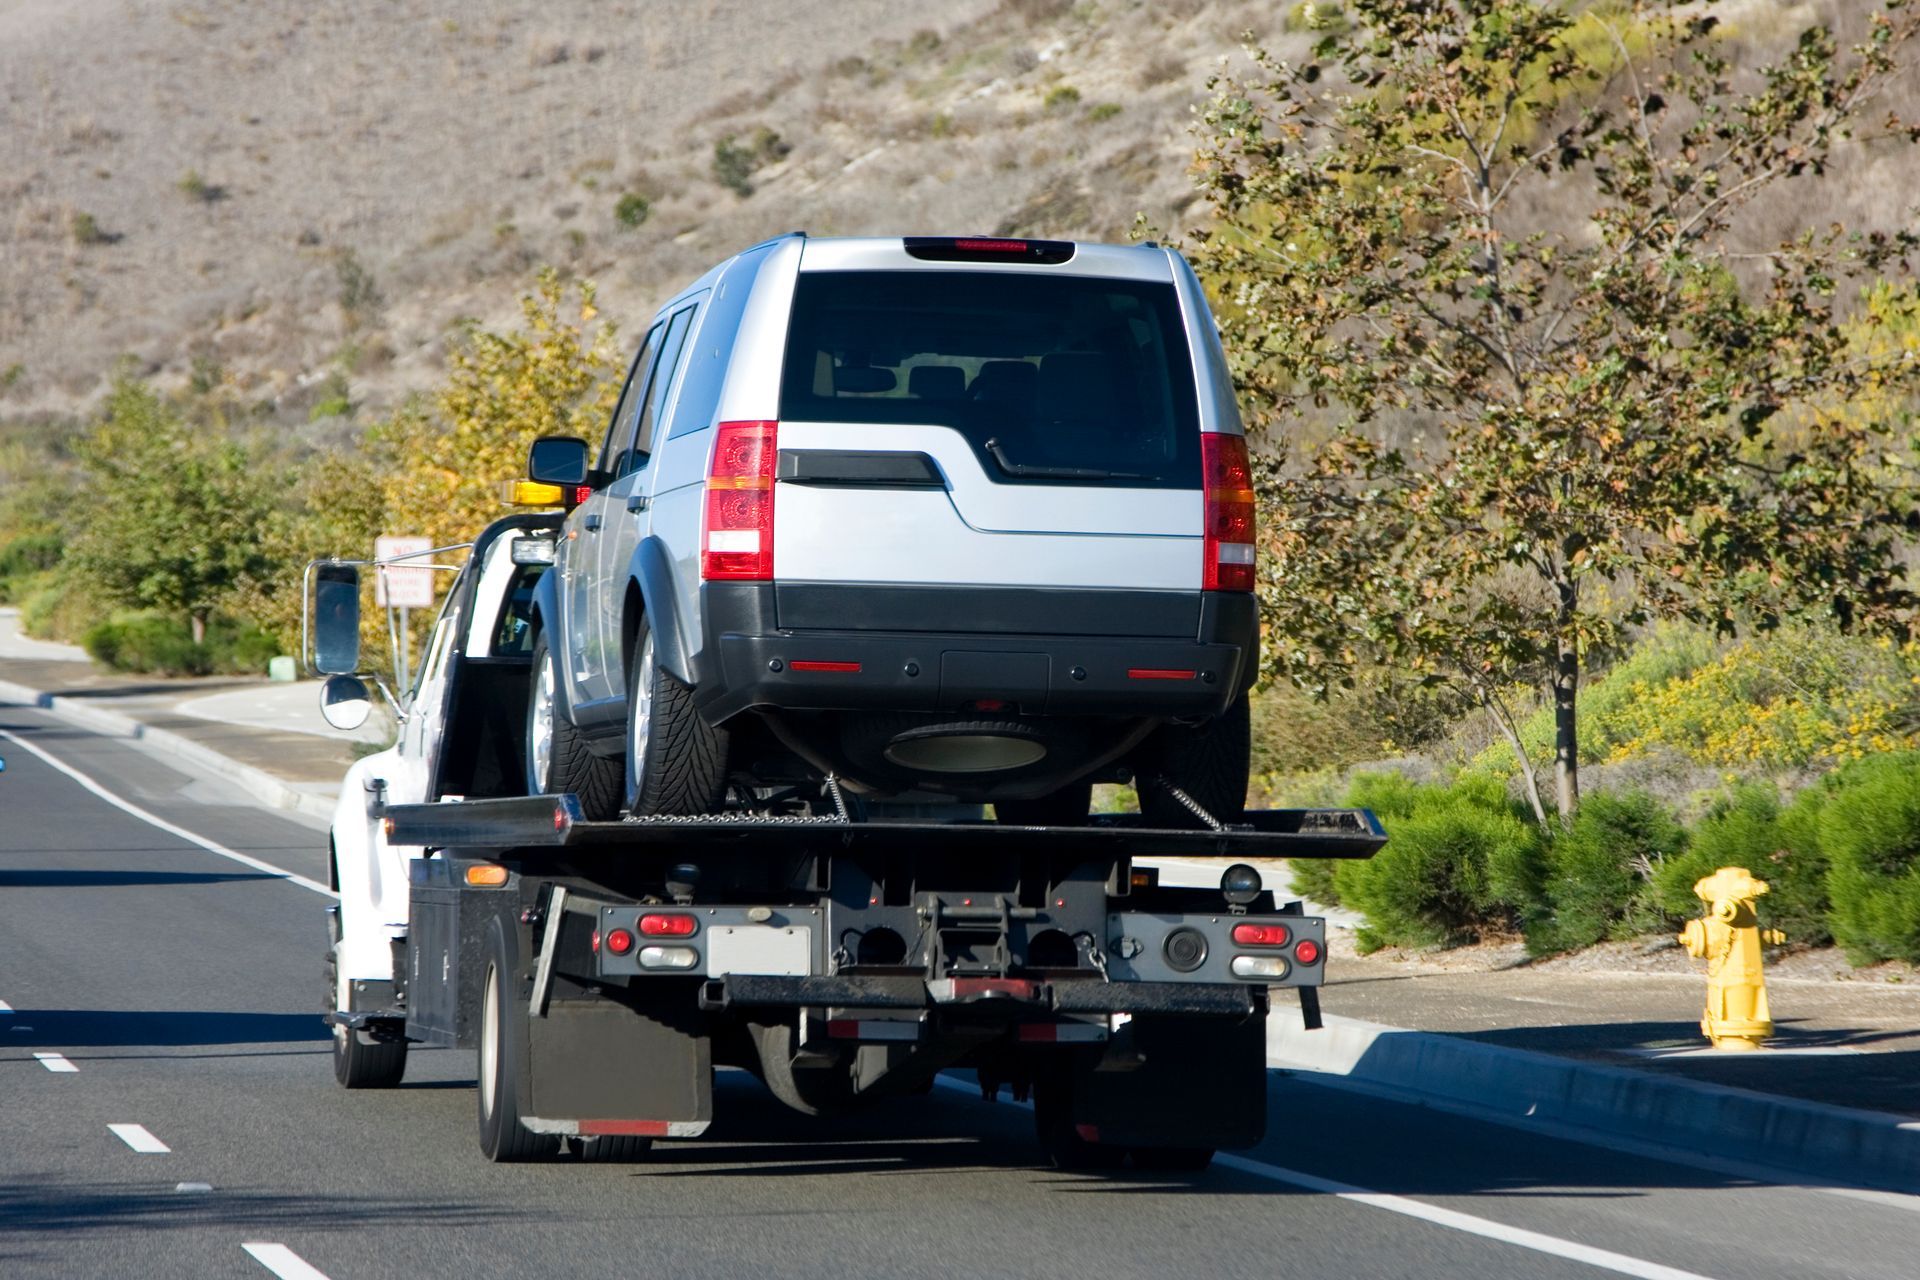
[402,586]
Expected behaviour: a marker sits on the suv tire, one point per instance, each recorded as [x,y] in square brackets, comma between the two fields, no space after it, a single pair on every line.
[676,763]
[1208,761]
[557,758]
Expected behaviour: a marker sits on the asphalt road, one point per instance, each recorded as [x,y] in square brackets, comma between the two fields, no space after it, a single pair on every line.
[181,988]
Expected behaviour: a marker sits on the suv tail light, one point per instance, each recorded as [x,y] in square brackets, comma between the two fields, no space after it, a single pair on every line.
[736,534]
[1228,478]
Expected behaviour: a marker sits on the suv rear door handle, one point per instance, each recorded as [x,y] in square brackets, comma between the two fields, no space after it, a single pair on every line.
[638,502]
[592,522]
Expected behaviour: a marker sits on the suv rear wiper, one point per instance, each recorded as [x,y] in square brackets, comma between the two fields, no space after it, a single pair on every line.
[1013,468]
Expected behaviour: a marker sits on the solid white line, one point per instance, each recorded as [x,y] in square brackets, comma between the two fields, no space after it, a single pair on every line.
[1454,1220]
[1451,1219]
[5,1007]
[138,1137]
[283,1262]
[55,1062]
[152,819]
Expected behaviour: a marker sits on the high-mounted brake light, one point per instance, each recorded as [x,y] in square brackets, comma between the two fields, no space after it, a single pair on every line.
[988,249]
[1229,517]
[659,925]
[736,535]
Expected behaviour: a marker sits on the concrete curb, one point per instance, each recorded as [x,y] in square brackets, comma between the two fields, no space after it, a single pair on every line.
[1855,1148]
[269,790]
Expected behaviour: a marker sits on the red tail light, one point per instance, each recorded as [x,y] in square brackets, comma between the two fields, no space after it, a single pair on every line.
[667,926]
[1263,935]
[1229,513]
[619,941]
[1308,952]
[736,536]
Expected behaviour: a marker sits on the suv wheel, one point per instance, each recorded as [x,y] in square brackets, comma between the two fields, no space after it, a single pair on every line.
[557,757]
[1207,761]
[676,762]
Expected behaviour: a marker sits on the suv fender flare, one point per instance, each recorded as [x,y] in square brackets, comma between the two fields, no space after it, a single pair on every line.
[650,573]
[547,617]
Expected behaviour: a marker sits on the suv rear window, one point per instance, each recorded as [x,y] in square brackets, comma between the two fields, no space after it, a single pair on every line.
[1052,379]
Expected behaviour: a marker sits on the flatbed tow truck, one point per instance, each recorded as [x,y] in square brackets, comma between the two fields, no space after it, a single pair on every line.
[603,970]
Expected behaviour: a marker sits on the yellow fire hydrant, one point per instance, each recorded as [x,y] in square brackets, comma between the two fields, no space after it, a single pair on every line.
[1729,939]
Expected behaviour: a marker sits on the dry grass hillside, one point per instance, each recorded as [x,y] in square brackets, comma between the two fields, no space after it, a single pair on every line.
[299,200]
[295,201]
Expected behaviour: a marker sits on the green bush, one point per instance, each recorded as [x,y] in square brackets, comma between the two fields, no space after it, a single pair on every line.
[1597,870]
[59,606]
[23,562]
[1870,833]
[146,643]
[631,210]
[239,648]
[1459,862]
[1749,828]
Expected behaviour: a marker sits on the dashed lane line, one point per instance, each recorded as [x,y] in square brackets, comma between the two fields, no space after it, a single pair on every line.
[283,1262]
[55,1062]
[140,1139]
[155,820]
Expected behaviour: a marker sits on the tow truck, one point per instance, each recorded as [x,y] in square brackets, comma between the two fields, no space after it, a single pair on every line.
[839,948]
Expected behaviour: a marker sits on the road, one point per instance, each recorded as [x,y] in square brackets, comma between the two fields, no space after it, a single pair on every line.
[181,988]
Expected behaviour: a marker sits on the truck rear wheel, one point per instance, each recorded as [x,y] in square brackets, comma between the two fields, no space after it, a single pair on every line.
[557,757]
[503,1059]
[676,762]
[1208,761]
[1066,1146]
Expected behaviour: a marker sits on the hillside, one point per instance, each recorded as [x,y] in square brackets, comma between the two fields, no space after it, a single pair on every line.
[278,198]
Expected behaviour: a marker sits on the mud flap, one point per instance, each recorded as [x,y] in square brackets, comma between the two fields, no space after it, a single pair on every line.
[1199,1083]
[601,1060]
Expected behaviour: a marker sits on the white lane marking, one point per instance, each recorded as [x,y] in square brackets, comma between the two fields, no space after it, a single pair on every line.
[140,1139]
[283,1262]
[5,1007]
[55,1062]
[152,819]
[193,1188]
[1451,1219]
[1454,1220]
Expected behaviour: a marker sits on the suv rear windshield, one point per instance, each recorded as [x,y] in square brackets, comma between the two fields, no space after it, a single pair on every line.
[1052,379]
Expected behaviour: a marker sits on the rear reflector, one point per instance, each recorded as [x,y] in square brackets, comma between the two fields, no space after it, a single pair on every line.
[660,925]
[1229,513]
[988,249]
[736,535]
[1158,673]
[486,875]
[802,664]
[1308,952]
[1262,935]
[618,942]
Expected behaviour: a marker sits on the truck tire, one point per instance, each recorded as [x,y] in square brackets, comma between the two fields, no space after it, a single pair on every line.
[503,1058]
[1208,761]
[359,1064]
[1172,1159]
[556,755]
[1065,1147]
[676,762]
[610,1149]
[1066,807]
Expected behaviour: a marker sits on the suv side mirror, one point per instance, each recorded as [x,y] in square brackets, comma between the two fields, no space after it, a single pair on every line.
[336,619]
[560,460]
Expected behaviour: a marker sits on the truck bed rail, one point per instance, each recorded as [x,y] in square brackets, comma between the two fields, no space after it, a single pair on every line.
[556,822]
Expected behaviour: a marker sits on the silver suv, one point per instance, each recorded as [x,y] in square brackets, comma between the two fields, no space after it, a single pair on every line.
[933,516]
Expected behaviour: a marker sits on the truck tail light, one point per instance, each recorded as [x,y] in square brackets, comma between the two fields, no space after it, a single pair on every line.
[619,941]
[662,925]
[1308,952]
[1262,935]
[736,534]
[1228,477]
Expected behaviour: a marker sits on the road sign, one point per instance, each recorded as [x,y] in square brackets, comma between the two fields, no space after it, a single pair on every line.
[405,585]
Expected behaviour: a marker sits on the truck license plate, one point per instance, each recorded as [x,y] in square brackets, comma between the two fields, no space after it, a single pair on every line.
[786,950]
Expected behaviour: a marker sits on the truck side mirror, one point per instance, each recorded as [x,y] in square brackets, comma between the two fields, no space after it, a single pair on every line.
[344,702]
[560,460]
[336,619]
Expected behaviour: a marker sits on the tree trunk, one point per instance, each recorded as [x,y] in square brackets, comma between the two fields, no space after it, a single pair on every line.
[1566,689]
[198,622]
[1504,723]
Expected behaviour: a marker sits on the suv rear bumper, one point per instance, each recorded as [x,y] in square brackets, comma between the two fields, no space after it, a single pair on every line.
[1134,654]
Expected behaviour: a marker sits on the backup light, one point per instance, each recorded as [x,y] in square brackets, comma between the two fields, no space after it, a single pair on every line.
[736,534]
[1259,967]
[1228,550]
[670,957]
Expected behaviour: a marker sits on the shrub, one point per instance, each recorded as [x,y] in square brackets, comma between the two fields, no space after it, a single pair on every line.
[86,229]
[146,642]
[1870,833]
[23,558]
[1103,111]
[735,162]
[1597,871]
[1749,828]
[1459,862]
[61,607]
[239,648]
[631,210]
[1060,97]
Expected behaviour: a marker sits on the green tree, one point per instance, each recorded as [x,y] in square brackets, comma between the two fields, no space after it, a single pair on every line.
[170,512]
[1497,256]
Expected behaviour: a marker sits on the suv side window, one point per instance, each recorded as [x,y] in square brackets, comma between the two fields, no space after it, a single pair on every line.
[670,351]
[620,428]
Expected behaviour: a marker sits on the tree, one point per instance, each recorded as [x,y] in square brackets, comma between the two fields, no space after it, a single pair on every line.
[1498,255]
[169,512]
